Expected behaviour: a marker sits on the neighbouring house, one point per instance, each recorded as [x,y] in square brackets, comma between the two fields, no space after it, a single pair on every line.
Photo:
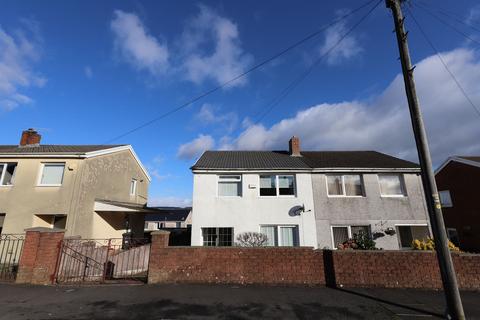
[457,190]
[92,191]
[307,198]
[168,217]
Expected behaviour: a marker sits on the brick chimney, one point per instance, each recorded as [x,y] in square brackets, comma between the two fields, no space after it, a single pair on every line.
[30,137]
[294,147]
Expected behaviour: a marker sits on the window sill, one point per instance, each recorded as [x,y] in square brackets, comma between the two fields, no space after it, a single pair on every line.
[272,197]
[6,186]
[48,185]
[393,196]
[329,196]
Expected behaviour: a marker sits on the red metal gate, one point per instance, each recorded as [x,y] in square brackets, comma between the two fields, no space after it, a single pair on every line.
[102,260]
[11,246]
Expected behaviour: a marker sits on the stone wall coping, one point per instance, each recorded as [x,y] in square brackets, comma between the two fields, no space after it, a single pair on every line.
[44,230]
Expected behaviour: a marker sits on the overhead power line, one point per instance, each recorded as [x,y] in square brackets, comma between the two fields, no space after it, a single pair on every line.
[289,88]
[243,74]
[449,14]
[451,26]
[427,39]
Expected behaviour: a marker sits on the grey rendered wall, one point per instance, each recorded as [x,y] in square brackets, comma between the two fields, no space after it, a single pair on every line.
[373,209]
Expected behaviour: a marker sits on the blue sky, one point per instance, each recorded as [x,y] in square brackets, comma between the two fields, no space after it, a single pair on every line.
[84,72]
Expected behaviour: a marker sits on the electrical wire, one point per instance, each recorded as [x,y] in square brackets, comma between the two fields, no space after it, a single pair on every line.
[286,91]
[427,39]
[460,32]
[450,15]
[243,74]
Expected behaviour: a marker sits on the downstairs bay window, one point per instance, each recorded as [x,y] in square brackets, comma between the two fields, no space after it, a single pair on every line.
[340,234]
[217,237]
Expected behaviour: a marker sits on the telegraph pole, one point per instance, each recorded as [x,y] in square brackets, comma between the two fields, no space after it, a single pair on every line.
[450,286]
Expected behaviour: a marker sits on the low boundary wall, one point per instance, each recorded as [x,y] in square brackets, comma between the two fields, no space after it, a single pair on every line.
[305,266]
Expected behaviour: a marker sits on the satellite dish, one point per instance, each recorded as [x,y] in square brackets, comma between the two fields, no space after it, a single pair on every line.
[296,211]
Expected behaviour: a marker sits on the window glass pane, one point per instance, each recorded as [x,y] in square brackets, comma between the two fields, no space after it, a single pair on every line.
[340,235]
[209,237]
[133,187]
[334,185]
[229,189]
[288,236]
[9,175]
[353,185]
[445,198]
[420,232]
[52,174]
[390,184]
[453,236]
[225,237]
[405,233]
[286,185]
[270,232]
[357,229]
[268,186]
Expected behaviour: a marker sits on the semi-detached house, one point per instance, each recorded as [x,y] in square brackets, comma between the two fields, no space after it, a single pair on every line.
[310,198]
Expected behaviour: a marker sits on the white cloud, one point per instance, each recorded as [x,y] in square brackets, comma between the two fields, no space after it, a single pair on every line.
[227,58]
[347,49]
[383,123]
[474,15]
[88,72]
[170,201]
[18,52]
[137,46]
[195,147]
[210,115]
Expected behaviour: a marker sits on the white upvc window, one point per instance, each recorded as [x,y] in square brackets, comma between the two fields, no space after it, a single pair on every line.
[277,185]
[408,233]
[445,198]
[345,185]
[7,173]
[133,187]
[229,186]
[340,234]
[51,174]
[391,185]
[281,235]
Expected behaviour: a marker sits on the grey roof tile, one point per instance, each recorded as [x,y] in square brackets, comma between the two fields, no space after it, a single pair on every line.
[309,160]
[53,149]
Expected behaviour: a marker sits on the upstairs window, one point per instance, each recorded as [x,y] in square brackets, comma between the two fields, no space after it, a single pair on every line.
[52,174]
[277,185]
[230,186]
[346,185]
[391,185]
[445,198]
[133,187]
[7,173]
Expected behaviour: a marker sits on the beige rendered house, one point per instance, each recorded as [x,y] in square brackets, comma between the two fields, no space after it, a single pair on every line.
[92,191]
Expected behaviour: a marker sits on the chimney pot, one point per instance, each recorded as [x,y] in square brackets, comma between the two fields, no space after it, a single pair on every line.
[294,146]
[30,137]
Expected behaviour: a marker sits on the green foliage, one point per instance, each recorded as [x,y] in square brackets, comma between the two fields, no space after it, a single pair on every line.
[361,241]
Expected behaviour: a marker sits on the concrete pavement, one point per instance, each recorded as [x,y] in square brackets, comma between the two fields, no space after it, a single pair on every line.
[135,302]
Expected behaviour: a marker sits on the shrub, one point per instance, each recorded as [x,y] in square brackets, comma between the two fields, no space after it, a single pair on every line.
[361,241]
[252,239]
[429,244]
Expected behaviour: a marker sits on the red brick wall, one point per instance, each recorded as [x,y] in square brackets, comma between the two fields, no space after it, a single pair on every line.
[39,256]
[393,269]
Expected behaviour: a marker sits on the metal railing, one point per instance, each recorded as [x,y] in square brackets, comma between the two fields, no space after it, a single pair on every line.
[11,246]
[99,260]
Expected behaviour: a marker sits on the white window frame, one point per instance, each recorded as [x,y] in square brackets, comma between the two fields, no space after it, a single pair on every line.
[448,205]
[409,225]
[278,234]
[402,186]
[135,183]
[232,179]
[2,176]
[277,187]
[40,174]
[344,195]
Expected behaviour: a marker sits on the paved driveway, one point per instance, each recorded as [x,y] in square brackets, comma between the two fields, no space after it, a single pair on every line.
[135,302]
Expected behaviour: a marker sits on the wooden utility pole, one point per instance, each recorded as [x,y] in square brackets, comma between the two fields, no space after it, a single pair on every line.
[450,286]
